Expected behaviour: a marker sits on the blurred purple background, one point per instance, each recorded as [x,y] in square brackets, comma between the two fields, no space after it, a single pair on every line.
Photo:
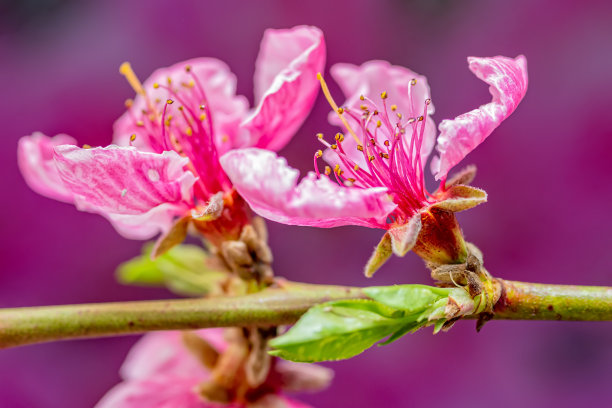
[547,171]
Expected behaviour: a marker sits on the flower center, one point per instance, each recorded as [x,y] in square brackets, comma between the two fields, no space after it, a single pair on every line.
[384,150]
[179,119]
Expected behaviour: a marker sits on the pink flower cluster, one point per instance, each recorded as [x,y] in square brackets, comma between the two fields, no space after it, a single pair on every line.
[189,152]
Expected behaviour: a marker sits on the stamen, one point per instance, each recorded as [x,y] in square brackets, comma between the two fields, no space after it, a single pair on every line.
[327,170]
[126,70]
[334,106]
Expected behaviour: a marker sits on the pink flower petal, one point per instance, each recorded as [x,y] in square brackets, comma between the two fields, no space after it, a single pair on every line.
[285,84]
[164,353]
[141,192]
[35,158]
[219,84]
[374,77]
[157,392]
[270,186]
[507,78]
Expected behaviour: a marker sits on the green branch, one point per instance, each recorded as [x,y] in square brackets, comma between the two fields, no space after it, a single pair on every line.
[536,301]
[271,307]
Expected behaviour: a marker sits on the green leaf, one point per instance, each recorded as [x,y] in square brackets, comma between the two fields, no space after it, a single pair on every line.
[337,330]
[183,269]
[410,298]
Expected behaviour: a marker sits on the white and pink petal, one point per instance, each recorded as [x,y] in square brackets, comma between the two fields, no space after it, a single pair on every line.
[165,353]
[123,180]
[508,81]
[271,188]
[157,392]
[285,84]
[35,159]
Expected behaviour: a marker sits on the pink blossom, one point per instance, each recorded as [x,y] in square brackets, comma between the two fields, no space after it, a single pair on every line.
[378,165]
[160,371]
[164,163]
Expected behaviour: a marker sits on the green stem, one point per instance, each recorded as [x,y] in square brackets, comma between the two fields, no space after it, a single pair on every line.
[271,307]
[536,301]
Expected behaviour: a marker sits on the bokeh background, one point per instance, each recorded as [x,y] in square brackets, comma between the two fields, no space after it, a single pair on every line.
[547,170]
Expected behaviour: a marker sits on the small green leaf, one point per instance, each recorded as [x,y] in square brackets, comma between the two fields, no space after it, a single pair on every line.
[410,298]
[337,330]
[183,269]
[410,327]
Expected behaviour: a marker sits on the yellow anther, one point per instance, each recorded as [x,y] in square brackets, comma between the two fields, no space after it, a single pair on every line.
[384,95]
[320,136]
[399,116]
[360,148]
[126,70]
[337,168]
[225,138]
[413,81]
[129,103]
[188,131]
[334,146]
[362,97]
[188,68]
[169,80]
[340,111]
[421,118]
[394,107]
[202,107]
[86,146]
[383,155]
[363,107]
[191,84]
[378,123]
[155,85]
[350,179]
[319,153]
[327,170]
[133,137]
[334,106]
[169,101]
[356,167]
[140,123]
[371,158]
[387,143]
[202,116]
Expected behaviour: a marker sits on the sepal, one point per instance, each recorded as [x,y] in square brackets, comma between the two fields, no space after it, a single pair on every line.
[381,254]
[460,197]
[404,237]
